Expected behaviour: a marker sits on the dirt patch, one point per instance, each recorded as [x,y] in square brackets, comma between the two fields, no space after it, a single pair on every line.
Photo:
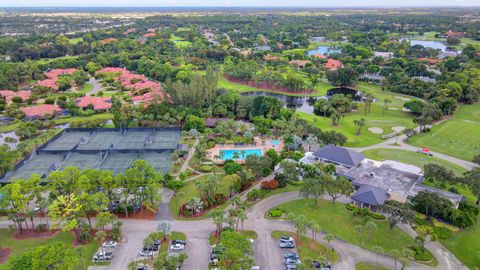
[142,214]
[375,130]
[398,128]
[29,233]
[4,254]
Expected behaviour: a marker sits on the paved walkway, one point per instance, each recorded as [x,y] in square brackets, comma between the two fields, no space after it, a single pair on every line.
[96,86]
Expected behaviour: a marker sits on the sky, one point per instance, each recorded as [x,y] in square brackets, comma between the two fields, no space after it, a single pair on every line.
[234,3]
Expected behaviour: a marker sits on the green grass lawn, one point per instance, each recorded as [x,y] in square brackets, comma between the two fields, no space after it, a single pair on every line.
[463,41]
[86,88]
[458,137]
[75,40]
[21,246]
[465,245]
[72,119]
[190,191]
[369,266]
[337,220]
[308,248]
[48,60]
[412,158]
[376,118]
[180,42]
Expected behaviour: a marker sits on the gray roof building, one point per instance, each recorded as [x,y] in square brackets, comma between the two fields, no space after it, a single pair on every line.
[339,155]
[370,195]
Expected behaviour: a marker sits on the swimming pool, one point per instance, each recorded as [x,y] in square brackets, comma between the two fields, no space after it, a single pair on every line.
[275,142]
[228,154]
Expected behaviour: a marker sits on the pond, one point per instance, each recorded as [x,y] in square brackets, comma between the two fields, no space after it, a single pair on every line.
[325,50]
[305,104]
[430,44]
[10,134]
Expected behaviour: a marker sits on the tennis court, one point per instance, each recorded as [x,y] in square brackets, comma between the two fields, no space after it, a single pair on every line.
[91,148]
[118,163]
[100,140]
[37,165]
[66,142]
[83,161]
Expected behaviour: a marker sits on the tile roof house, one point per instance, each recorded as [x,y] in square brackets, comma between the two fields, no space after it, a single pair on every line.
[299,63]
[108,40]
[39,111]
[339,155]
[452,34]
[333,64]
[98,103]
[319,55]
[52,77]
[7,95]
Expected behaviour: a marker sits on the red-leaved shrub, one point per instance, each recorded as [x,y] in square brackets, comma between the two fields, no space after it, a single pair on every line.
[270,185]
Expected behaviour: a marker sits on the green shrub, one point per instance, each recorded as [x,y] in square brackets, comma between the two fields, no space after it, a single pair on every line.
[422,254]
[275,213]
[376,216]
[350,207]
[205,168]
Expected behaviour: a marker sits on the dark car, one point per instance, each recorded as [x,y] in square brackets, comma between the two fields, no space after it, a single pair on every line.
[318,265]
[291,255]
[182,242]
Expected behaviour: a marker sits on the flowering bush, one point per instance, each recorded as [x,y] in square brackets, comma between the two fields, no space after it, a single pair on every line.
[270,185]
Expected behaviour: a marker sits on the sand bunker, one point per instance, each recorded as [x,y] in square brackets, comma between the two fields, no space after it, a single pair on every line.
[375,130]
[398,128]
[402,98]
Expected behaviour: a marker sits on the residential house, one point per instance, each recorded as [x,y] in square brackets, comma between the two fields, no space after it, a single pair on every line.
[333,64]
[99,104]
[40,111]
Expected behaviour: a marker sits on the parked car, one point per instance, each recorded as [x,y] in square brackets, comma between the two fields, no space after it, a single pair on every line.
[102,256]
[291,255]
[286,239]
[425,151]
[290,266]
[146,253]
[318,265]
[183,242]
[288,244]
[177,247]
[109,244]
[151,248]
[255,268]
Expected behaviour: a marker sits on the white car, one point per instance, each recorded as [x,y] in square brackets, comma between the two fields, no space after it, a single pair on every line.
[146,253]
[177,247]
[102,256]
[109,244]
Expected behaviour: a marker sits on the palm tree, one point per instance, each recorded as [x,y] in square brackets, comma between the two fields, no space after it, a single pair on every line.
[377,250]
[218,217]
[329,237]
[315,227]
[242,153]
[236,155]
[290,217]
[396,254]
[242,215]
[386,101]
[100,237]
[300,223]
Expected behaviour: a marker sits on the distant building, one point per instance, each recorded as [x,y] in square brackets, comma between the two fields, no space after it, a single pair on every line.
[40,111]
[376,181]
[333,64]
[444,55]
[318,39]
[452,34]
[384,55]
[97,103]
[299,63]
[425,79]
[376,78]
[263,48]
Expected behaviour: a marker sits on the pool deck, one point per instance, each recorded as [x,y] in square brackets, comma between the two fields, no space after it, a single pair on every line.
[263,145]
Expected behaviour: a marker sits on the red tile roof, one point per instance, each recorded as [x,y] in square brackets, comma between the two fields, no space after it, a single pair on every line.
[319,55]
[333,64]
[149,35]
[430,61]
[9,94]
[269,57]
[98,103]
[41,110]
[52,77]
[108,40]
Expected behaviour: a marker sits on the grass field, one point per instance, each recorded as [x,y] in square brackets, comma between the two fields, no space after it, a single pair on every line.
[458,137]
[190,191]
[21,246]
[86,88]
[412,158]
[307,248]
[75,40]
[337,220]
[463,41]
[375,118]
[180,42]
[465,245]
[48,60]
